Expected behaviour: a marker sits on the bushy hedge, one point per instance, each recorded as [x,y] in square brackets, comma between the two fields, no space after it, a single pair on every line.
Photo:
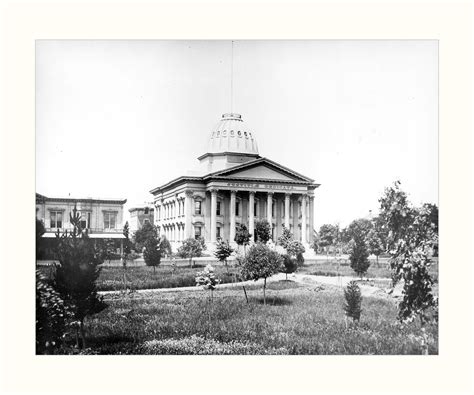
[51,317]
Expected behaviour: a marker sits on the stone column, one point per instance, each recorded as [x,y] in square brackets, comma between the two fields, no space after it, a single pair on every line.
[251,213]
[269,207]
[311,219]
[303,219]
[188,212]
[232,216]
[287,210]
[213,214]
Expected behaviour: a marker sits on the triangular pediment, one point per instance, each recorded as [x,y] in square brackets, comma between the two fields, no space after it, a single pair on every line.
[261,169]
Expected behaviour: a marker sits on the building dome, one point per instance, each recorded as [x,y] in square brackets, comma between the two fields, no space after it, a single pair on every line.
[232,135]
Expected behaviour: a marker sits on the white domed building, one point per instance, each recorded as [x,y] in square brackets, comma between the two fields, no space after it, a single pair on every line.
[234,185]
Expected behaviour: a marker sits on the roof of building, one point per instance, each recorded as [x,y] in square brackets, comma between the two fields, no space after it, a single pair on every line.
[231,135]
[229,173]
[43,198]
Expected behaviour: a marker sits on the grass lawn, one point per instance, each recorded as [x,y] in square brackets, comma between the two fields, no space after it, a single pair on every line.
[331,268]
[296,320]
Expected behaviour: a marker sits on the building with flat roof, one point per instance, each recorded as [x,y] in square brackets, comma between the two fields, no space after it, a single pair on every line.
[102,218]
[234,185]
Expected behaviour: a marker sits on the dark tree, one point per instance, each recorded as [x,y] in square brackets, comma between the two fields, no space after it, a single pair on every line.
[263,230]
[359,256]
[223,251]
[353,303]
[77,272]
[152,252]
[290,265]
[242,235]
[146,232]
[327,236]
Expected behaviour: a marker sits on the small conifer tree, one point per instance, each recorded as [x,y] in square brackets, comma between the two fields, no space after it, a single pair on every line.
[359,256]
[353,303]
[77,272]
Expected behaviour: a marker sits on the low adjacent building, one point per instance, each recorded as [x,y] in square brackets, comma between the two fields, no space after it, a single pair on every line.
[102,218]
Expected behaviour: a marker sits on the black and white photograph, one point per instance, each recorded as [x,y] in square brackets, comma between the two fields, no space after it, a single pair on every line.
[236,197]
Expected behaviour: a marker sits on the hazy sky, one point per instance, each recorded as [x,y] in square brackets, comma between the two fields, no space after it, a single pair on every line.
[118,118]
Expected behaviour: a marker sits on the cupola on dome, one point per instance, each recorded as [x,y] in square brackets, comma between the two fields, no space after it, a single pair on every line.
[232,136]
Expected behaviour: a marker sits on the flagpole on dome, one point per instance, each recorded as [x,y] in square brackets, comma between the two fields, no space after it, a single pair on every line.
[232,77]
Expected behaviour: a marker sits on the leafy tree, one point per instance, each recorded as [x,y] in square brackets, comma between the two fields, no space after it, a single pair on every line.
[353,303]
[285,238]
[327,236]
[152,253]
[289,265]
[242,235]
[261,262]
[127,245]
[375,244]
[412,235]
[189,249]
[223,251]
[147,231]
[77,272]
[358,228]
[359,255]
[263,230]
[295,248]
[51,316]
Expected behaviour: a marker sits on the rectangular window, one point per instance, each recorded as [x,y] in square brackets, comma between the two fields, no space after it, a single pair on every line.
[85,220]
[109,220]
[283,210]
[218,232]
[146,210]
[197,207]
[273,208]
[197,232]
[218,208]
[255,209]
[291,210]
[237,206]
[56,219]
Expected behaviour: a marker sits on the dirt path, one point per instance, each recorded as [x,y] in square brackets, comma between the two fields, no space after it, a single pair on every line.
[312,281]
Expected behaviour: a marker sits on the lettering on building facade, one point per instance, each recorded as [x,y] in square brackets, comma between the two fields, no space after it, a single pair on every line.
[259,186]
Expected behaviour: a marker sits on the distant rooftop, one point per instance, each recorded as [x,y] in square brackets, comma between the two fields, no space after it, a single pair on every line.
[40,197]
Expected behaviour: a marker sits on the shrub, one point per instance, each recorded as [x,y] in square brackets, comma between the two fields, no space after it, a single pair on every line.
[353,303]
[152,253]
[51,316]
[242,235]
[207,279]
[285,238]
